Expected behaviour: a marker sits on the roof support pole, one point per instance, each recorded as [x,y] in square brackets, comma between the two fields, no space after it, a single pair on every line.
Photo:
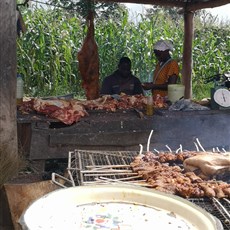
[187,54]
[8,65]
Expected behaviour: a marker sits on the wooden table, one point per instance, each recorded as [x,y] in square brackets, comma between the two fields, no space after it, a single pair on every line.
[43,138]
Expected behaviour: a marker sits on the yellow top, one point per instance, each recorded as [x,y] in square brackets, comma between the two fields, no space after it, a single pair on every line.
[162,73]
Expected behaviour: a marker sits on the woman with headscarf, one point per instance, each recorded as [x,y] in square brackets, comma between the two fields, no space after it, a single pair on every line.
[166,71]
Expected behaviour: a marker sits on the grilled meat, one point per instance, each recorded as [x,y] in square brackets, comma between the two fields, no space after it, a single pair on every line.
[208,164]
[175,180]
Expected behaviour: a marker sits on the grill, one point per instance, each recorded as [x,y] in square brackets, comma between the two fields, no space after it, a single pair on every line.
[220,208]
[97,167]
[87,167]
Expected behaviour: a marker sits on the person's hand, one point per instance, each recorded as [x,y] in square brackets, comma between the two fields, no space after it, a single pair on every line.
[147,85]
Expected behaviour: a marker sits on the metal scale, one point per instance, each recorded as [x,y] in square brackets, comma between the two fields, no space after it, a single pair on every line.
[220,93]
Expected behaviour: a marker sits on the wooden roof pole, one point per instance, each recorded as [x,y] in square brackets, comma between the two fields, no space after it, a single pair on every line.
[8,65]
[187,54]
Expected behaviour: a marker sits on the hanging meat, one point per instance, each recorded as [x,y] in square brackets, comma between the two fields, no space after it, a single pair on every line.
[89,62]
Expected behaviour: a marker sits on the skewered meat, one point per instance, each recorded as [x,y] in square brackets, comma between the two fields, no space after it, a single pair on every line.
[208,164]
[208,190]
[189,190]
[173,179]
[169,157]
[227,191]
[193,177]
[219,192]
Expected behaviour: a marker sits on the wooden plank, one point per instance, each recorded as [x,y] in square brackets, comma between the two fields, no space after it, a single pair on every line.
[5,217]
[208,125]
[104,138]
[20,196]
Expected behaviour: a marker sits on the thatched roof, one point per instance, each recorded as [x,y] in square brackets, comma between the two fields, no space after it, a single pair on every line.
[188,5]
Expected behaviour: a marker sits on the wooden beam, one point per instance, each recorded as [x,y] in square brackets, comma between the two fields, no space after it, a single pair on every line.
[189,5]
[8,124]
[206,4]
[187,54]
[150,2]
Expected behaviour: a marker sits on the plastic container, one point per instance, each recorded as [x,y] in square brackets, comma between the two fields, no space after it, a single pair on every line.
[149,106]
[175,92]
[19,92]
[60,210]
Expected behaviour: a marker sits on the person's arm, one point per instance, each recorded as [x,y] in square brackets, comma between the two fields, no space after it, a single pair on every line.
[149,85]
[172,79]
[138,87]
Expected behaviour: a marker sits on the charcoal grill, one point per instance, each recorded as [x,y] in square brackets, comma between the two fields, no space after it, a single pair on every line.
[96,167]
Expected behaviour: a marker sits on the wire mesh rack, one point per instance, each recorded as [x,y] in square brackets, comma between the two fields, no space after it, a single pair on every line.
[87,167]
[220,208]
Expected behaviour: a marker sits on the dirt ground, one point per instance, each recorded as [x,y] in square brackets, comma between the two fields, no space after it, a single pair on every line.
[24,178]
[31,175]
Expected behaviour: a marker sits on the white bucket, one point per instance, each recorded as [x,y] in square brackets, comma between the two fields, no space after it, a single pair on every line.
[175,92]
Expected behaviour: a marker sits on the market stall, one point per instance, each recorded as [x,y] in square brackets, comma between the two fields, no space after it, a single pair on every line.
[106,126]
[44,138]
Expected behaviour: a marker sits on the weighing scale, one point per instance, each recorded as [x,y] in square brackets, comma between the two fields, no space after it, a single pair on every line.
[220,93]
[222,97]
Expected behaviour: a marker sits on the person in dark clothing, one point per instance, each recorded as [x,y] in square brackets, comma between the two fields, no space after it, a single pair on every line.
[122,80]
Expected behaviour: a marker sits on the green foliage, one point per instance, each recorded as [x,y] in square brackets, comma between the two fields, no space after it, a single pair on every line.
[47,53]
[211,56]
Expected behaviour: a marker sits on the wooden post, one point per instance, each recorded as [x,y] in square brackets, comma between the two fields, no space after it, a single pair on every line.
[8,123]
[187,54]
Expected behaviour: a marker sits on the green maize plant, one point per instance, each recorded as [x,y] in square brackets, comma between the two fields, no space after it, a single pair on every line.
[47,52]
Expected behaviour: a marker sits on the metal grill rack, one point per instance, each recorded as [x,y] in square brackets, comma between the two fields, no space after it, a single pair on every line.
[87,167]
[96,167]
[219,208]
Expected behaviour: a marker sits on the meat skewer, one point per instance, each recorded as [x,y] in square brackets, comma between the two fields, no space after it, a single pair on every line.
[150,135]
[223,208]
[170,150]
[141,150]
[197,140]
[126,179]
[110,174]
[156,170]
[179,150]
[137,183]
[99,167]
